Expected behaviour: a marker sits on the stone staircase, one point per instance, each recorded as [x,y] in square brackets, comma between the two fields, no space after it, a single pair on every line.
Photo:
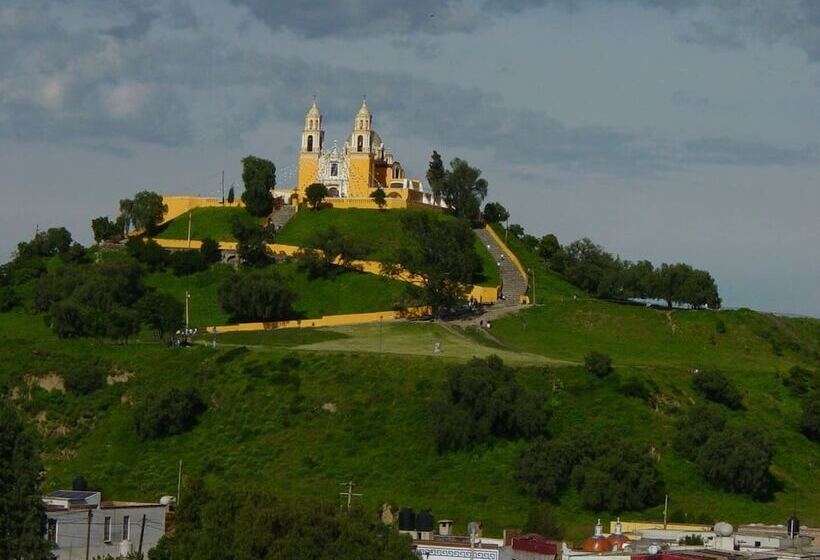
[282,216]
[513,286]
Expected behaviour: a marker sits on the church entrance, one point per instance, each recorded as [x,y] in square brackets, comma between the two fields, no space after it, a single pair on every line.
[333,192]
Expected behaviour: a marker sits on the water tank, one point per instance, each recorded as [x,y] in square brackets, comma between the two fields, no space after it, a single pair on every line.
[169,502]
[79,484]
[793,526]
[425,521]
[723,529]
[407,520]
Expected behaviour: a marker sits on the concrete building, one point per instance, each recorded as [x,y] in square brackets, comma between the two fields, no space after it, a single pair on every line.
[81,525]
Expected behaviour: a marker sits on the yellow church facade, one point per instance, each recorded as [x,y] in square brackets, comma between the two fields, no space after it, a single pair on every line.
[352,172]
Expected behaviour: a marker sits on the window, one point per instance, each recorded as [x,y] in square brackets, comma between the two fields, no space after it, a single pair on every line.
[334,169]
[757,544]
[360,143]
[107,530]
[310,143]
[52,531]
[126,527]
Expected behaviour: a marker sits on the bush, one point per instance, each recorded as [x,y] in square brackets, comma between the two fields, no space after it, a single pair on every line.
[210,251]
[694,428]
[598,364]
[738,460]
[168,413]
[187,262]
[718,388]
[482,399]
[810,420]
[8,298]
[541,520]
[800,381]
[148,252]
[256,296]
[161,312]
[720,326]
[639,387]
[84,379]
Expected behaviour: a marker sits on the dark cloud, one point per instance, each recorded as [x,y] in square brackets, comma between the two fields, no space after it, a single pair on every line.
[731,151]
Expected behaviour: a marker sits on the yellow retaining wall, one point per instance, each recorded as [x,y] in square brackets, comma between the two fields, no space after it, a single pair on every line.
[326,321]
[634,526]
[178,205]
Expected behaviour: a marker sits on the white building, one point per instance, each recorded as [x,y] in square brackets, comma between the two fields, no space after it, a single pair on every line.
[80,521]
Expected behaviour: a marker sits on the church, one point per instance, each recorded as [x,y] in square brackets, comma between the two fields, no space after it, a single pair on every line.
[357,168]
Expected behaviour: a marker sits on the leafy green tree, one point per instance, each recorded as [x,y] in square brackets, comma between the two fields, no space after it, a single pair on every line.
[544,466]
[801,381]
[316,193]
[379,198]
[718,388]
[548,246]
[53,241]
[210,251]
[187,261]
[495,213]
[161,312]
[231,195]
[251,242]
[121,323]
[810,419]
[541,520]
[482,399]
[259,295]
[463,189]
[22,517]
[696,426]
[259,176]
[68,319]
[332,251]
[144,212]
[104,229]
[440,252]
[435,173]
[9,299]
[84,378]
[148,252]
[168,413]
[738,461]
[598,364]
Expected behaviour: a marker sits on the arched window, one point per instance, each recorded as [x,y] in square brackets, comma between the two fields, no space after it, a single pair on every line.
[395,171]
[310,143]
[360,143]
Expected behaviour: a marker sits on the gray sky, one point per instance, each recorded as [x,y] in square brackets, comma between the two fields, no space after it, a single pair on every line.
[669,130]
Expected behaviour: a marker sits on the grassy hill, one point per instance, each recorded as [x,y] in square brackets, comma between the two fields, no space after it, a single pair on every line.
[298,411]
[214,223]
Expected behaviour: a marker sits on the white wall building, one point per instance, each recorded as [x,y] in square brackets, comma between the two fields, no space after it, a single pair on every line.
[79,520]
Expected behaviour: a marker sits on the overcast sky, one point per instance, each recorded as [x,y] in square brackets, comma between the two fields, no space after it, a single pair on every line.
[670,130]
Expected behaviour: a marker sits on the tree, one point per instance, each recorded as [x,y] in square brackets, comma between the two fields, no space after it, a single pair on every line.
[718,388]
[22,517]
[104,229]
[442,254]
[256,296]
[121,323]
[738,460]
[187,261]
[210,251]
[251,242]
[548,246]
[68,319]
[9,299]
[316,194]
[168,413]
[435,173]
[379,198]
[810,419]
[161,312]
[85,378]
[332,251]
[598,364]
[462,189]
[481,399]
[516,230]
[53,241]
[148,252]
[541,520]
[231,195]
[694,428]
[144,212]
[495,213]
[259,176]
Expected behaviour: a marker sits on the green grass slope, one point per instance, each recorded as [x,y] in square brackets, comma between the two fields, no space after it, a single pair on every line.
[214,223]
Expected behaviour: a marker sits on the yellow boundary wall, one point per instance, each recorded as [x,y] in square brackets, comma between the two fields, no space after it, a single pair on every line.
[178,205]
[482,294]
[326,321]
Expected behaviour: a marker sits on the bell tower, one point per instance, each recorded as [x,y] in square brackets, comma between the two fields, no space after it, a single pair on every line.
[313,137]
[362,165]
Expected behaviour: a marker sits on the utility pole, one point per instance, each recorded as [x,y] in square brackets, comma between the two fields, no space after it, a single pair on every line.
[179,482]
[532,271]
[190,215]
[349,493]
[223,187]
[88,536]
[665,509]
[187,297]
[142,533]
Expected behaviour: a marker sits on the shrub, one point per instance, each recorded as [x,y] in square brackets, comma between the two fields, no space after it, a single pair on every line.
[161,312]
[482,399]
[148,252]
[210,251]
[800,381]
[639,387]
[696,426]
[8,298]
[168,413]
[738,460]
[598,364]
[315,194]
[541,520]
[810,420]
[256,296]
[84,379]
[187,262]
[718,388]
[720,326]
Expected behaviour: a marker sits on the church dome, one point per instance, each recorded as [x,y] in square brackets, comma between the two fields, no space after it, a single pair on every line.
[597,544]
